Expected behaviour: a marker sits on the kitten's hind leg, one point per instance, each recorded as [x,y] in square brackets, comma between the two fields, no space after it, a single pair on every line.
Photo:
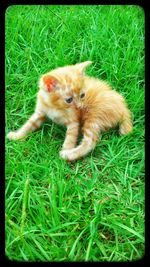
[71,136]
[90,136]
[125,126]
[31,125]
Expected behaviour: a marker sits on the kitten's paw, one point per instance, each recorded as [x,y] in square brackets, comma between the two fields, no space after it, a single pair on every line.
[13,136]
[63,154]
[67,155]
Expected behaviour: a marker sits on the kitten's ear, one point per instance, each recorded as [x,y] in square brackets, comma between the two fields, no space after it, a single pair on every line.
[49,82]
[82,66]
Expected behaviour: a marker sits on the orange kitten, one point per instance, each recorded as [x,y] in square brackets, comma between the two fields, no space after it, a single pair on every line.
[69,97]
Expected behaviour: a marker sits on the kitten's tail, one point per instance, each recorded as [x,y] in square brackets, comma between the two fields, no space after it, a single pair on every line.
[126,125]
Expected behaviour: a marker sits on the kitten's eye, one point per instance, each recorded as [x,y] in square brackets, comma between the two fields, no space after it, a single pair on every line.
[69,100]
[82,95]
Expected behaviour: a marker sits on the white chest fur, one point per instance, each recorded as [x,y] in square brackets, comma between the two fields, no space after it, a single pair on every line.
[53,113]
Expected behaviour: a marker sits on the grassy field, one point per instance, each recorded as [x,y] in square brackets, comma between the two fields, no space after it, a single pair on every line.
[92,209]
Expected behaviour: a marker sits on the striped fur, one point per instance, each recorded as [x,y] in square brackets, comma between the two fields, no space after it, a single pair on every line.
[31,125]
[93,105]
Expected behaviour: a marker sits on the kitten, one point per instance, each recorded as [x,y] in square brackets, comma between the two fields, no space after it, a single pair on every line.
[71,98]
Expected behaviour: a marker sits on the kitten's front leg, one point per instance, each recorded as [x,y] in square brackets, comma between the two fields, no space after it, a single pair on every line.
[71,136]
[31,125]
[90,136]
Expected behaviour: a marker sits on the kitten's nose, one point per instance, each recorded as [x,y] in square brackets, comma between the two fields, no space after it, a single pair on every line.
[78,104]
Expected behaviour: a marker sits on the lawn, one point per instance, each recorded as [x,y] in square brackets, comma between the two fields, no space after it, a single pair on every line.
[92,209]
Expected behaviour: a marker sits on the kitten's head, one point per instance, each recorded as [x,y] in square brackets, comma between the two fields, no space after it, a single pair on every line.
[65,83]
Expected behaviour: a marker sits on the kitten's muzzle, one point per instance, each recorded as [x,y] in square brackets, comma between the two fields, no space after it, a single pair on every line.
[78,104]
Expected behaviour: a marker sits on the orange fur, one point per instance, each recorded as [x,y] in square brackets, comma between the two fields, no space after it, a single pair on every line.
[69,97]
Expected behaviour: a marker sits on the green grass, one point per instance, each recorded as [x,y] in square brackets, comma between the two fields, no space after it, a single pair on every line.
[93,209]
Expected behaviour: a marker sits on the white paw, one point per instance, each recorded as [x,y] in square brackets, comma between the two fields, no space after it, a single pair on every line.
[13,136]
[66,154]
